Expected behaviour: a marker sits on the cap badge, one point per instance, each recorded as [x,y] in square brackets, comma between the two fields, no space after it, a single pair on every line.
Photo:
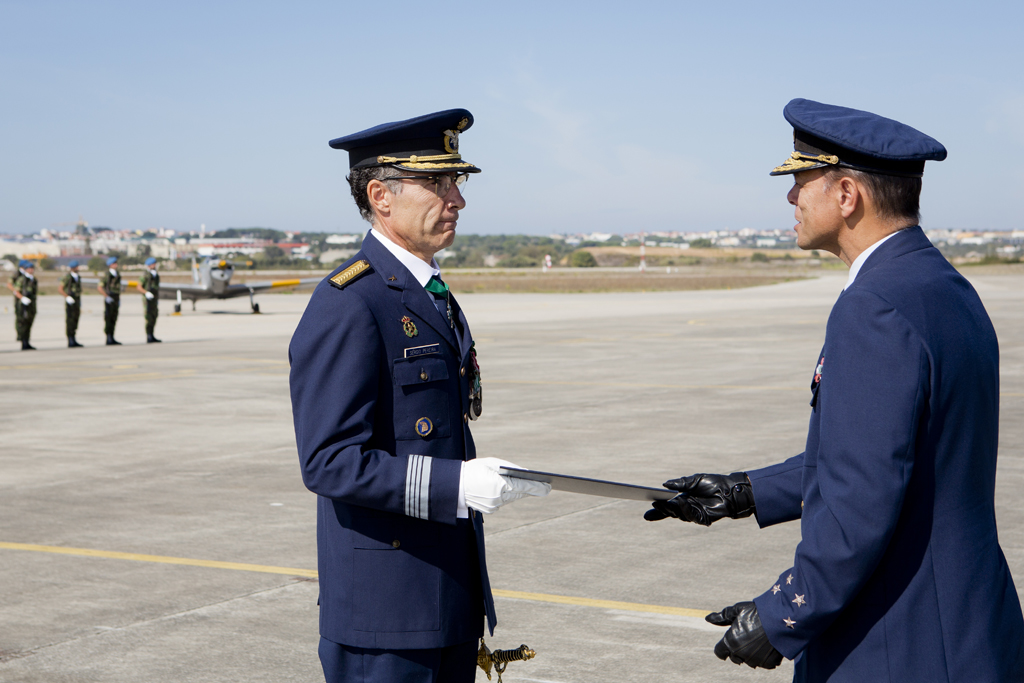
[424,426]
[451,141]
[463,123]
[409,326]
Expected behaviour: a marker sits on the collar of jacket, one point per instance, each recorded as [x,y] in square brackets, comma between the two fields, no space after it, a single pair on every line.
[414,297]
[903,242]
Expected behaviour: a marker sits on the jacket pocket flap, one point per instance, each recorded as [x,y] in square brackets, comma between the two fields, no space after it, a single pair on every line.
[419,370]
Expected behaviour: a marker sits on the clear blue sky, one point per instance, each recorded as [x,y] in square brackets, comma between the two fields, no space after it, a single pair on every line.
[589,116]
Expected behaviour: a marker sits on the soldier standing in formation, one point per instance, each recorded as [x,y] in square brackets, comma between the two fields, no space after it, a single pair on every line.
[71,289]
[110,288]
[149,285]
[24,286]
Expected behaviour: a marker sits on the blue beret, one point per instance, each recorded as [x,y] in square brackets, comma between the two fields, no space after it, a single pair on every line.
[112,260]
[26,264]
[73,264]
[425,143]
[150,261]
[826,135]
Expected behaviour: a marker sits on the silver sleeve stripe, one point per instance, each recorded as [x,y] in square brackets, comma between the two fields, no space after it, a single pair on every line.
[417,487]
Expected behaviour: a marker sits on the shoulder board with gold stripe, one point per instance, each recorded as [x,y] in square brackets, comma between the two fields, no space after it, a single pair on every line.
[350,274]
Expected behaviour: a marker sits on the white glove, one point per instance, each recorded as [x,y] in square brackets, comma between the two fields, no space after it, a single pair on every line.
[70,300]
[149,296]
[485,490]
[109,299]
[25,301]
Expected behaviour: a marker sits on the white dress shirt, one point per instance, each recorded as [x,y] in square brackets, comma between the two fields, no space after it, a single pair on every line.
[420,269]
[859,261]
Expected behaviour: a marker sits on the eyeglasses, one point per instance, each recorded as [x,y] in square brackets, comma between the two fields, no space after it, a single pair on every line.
[442,182]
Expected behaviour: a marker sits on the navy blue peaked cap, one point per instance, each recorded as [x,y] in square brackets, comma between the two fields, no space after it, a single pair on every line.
[425,143]
[826,135]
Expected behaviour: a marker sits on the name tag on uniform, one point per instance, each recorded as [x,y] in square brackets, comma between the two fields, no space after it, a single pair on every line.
[422,350]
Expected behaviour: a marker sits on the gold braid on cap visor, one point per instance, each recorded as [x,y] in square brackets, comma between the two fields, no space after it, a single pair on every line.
[798,162]
[418,162]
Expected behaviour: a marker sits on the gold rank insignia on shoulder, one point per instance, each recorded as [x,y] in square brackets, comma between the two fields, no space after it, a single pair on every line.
[409,326]
[350,274]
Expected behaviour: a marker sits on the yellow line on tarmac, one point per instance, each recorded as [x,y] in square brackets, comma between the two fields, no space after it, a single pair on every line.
[160,559]
[602,604]
[311,573]
[637,385]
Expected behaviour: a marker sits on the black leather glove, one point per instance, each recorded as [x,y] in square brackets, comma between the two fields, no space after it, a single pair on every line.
[706,498]
[745,642]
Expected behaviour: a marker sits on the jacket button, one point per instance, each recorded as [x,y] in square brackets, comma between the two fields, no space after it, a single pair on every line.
[396,543]
[465,418]
[424,376]
[462,372]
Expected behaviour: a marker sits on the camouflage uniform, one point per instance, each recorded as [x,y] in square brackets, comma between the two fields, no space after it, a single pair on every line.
[24,315]
[150,282]
[112,286]
[72,312]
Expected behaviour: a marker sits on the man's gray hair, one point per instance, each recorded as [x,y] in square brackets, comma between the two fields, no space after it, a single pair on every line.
[359,178]
[895,197]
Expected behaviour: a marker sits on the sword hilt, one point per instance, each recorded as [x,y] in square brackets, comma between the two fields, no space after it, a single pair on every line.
[499,659]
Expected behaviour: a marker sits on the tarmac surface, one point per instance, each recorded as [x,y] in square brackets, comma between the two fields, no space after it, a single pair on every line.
[149,494]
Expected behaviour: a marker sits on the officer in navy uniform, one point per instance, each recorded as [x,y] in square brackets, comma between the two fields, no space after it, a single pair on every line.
[898,575]
[384,383]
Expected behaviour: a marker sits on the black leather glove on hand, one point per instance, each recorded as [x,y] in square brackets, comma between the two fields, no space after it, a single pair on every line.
[745,642]
[706,498]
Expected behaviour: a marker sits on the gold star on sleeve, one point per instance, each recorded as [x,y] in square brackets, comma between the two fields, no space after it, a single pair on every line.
[799,600]
[789,622]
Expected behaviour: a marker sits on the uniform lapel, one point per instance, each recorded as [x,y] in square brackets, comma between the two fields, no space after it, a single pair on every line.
[466,338]
[414,297]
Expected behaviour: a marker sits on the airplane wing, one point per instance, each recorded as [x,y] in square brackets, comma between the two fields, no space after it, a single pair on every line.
[169,290]
[234,290]
[192,291]
[125,284]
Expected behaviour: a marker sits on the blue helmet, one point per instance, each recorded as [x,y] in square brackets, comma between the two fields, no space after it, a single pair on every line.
[73,264]
[150,261]
[26,264]
[112,260]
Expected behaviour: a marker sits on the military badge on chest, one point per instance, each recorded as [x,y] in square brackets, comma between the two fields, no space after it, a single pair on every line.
[409,327]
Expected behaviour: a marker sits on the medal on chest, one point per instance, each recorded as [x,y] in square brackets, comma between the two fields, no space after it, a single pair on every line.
[476,398]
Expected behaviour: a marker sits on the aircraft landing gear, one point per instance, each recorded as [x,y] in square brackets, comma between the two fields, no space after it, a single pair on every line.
[255,306]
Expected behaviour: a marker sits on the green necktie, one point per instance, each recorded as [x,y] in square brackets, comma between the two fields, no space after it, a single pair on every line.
[439,289]
[437,286]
